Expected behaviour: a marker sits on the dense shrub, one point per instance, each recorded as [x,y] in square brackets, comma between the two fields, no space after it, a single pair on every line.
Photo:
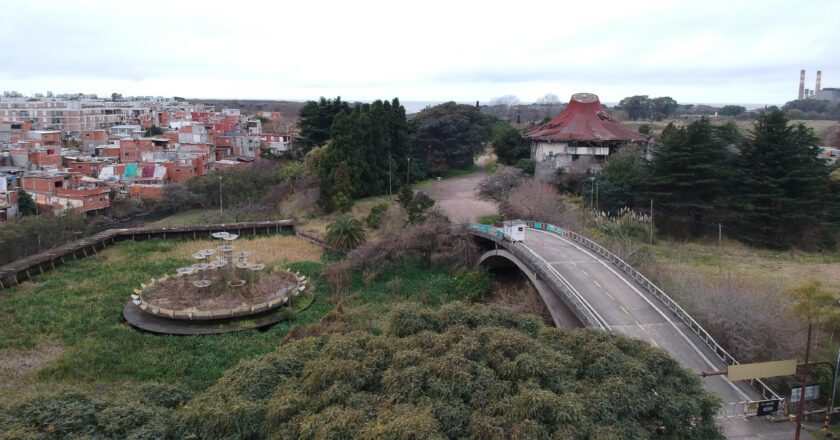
[375,217]
[136,413]
[456,372]
[238,185]
[433,243]
[32,234]
[472,284]
[528,166]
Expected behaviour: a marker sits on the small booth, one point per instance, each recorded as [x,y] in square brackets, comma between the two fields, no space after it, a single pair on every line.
[515,229]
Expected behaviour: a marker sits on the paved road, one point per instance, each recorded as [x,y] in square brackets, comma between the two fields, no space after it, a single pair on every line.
[629,310]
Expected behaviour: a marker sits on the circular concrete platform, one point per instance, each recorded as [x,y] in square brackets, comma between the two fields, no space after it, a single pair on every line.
[160,325]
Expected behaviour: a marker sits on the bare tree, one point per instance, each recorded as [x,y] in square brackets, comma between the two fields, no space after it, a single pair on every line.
[535,200]
[506,101]
[497,186]
[548,101]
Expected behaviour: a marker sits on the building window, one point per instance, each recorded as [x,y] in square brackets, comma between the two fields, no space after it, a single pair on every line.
[59,184]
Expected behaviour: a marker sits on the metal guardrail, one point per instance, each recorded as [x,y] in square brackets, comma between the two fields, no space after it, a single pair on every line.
[586,312]
[666,300]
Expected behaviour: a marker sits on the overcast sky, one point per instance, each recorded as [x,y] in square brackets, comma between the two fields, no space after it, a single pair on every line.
[706,51]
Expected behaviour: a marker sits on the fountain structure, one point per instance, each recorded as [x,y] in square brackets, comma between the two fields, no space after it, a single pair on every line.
[208,296]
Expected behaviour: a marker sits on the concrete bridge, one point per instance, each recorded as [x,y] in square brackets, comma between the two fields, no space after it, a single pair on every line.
[583,284]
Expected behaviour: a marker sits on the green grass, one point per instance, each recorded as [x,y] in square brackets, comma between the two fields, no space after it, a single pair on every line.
[78,307]
[446,175]
[455,173]
[489,219]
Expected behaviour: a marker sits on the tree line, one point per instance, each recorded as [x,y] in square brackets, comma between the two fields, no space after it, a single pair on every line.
[768,185]
[363,150]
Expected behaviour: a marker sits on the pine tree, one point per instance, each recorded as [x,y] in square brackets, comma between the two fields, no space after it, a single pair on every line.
[405,196]
[781,183]
[342,188]
[689,172]
[26,206]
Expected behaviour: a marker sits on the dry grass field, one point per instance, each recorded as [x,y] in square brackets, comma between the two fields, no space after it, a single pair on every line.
[821,128]
[736,260]
[279,249]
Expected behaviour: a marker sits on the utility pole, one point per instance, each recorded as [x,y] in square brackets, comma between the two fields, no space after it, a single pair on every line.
[833,391]
[804,383]
[720,248]
[429,156]
[221,213]
[596,196]
[651,221]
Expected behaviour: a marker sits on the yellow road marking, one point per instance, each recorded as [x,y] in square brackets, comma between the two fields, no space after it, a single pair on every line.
[608,294]
[624,310]
[574,263]
[654,343]
[562,255]
[584,272]
[596,283]
[640,326]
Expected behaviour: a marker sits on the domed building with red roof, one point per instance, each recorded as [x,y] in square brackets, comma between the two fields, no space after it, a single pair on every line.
[580,138]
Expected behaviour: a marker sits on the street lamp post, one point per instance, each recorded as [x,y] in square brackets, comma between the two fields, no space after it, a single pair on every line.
[833,392]
[221,213]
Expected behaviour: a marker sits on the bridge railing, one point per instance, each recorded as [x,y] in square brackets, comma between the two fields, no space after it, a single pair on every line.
[586,312]
[666,300]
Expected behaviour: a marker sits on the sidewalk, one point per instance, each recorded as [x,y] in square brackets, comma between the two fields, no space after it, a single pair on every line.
[761,428]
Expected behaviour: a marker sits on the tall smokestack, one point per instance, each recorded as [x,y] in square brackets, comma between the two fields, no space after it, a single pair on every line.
[819,76]
[801,83]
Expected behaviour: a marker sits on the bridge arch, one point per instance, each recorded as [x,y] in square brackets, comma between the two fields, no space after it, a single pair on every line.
[561,314]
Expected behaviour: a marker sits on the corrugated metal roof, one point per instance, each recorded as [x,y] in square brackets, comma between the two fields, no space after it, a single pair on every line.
[584,119]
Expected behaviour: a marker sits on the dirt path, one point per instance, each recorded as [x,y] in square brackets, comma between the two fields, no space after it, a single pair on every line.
[458,198]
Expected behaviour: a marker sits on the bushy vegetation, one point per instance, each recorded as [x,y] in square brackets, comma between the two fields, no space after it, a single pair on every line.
[375,217]
[456,372]
[472,284]
[508,144]
[31,234]
[239,185]
[414,204]
[433,243]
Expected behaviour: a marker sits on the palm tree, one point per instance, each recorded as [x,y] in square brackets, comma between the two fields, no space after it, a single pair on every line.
[346,232]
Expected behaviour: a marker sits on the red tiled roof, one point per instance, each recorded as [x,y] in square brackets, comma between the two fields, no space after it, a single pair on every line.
[584,119]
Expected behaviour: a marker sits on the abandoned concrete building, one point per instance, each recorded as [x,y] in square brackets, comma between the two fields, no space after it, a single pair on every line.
[579,139]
